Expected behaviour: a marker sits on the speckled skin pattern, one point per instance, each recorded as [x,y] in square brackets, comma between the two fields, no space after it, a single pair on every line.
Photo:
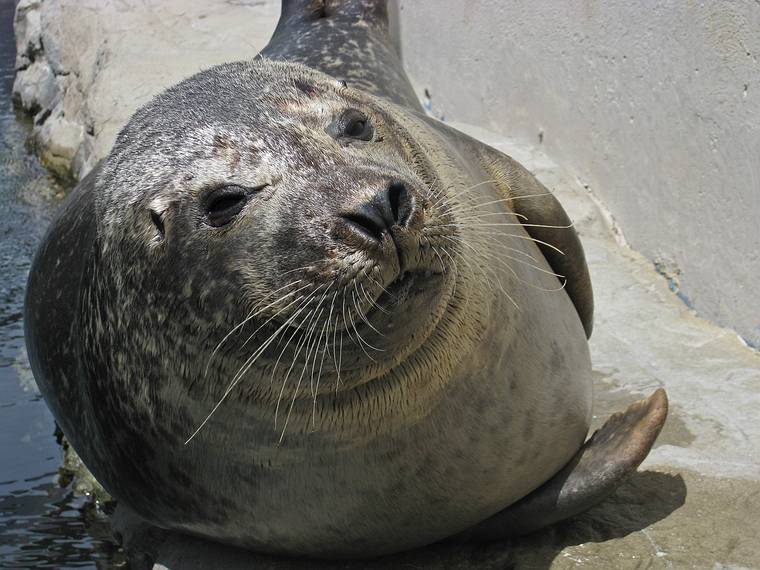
[347,39]
[374,394]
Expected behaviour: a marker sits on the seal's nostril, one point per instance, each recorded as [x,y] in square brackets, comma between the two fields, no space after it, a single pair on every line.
[367,222]
[394,198]
[400,202]
[391,207]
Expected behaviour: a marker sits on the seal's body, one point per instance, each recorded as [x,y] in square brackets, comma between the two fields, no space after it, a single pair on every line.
[301,317]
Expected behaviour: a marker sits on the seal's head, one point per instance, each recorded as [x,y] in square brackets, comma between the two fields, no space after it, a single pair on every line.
[285,226]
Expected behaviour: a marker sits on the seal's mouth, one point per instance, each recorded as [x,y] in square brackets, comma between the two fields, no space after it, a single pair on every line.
[407,285]
[402,305]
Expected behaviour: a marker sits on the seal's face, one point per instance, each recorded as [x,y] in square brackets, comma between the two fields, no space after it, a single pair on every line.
[292,217]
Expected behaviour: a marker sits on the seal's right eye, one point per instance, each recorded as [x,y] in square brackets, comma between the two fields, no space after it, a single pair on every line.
[352,125]
[223,204]
[358,127]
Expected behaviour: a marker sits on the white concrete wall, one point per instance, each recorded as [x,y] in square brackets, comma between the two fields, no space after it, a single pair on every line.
[656,106]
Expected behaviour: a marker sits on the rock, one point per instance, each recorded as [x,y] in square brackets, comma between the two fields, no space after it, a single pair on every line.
[108,57]
[35,87]
[75,472]
[28,32]
[59,140]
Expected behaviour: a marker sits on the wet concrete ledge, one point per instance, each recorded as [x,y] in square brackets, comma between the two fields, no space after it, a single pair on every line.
[85,66]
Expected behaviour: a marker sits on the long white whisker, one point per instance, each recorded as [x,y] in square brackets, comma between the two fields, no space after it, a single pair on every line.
[252,315]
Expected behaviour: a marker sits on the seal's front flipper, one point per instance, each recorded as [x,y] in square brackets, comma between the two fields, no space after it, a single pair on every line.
[546,221]
[604,461]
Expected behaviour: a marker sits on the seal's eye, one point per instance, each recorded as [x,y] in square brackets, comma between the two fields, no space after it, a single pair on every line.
[352,124]
[221,205]
[358,128]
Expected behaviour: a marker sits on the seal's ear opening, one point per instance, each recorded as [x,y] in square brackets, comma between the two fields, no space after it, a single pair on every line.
[158,208]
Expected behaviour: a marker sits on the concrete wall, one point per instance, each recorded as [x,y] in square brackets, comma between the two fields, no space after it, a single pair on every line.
[656,105]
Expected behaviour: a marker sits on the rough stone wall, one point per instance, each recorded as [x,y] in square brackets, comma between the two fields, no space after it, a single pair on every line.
[84,66]
[656,106]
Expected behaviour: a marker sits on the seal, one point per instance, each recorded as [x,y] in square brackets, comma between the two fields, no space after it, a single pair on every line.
[292,313]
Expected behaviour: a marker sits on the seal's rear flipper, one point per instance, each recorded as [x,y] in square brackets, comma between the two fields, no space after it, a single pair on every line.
[604,461]
[348,39]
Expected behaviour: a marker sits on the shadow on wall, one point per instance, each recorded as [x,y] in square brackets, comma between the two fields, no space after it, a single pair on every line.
[645,498]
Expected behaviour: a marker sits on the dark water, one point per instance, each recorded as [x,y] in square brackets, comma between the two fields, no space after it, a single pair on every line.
[43,524]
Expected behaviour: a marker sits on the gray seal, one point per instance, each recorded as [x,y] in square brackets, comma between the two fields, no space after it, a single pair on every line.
[292,313]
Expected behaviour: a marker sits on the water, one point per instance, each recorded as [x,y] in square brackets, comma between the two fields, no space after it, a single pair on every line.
[43,523]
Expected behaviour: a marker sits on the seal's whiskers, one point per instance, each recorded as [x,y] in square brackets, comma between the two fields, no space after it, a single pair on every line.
[442,203]
[480,267]
[249,362]
[513,224]
[371,301]
[337,358]
[359,337]
[254,313]
[306,340]
[326,333]
[477,231]
[361,314]
[304,337]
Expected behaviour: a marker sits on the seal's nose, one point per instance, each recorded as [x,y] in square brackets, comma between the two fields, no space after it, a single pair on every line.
[392,207]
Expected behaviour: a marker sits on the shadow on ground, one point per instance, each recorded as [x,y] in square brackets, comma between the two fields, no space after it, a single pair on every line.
[644,499]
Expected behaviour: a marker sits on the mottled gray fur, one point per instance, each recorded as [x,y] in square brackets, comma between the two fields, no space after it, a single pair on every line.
[285,381]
